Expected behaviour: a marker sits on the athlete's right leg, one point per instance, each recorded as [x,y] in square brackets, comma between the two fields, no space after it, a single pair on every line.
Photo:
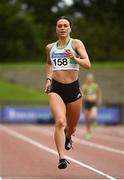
[93,114]
[58,109]
[87,120]
[90,117]
[88,123]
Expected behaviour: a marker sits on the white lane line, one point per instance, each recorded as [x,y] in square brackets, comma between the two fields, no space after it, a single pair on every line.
[54,179]
[98,146]
[106,137]
[49,179]
[116,130]
[110,138]
[80,141]
[45,148]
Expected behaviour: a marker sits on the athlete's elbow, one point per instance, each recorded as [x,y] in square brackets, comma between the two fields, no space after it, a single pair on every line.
[88,65]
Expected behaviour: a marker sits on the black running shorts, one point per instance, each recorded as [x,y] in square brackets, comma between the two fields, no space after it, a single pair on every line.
[68,92]
[89,104]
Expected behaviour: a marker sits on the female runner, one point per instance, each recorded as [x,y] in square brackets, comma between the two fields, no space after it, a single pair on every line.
[63,59]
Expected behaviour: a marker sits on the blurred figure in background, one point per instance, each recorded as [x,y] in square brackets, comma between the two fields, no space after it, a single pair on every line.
[92,98]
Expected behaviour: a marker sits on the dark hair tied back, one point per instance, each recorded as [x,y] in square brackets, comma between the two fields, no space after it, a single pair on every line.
[65,17]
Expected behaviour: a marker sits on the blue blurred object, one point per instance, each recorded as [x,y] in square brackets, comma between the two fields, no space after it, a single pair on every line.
[27,114]
[110,114]
[1,114]
[39,114]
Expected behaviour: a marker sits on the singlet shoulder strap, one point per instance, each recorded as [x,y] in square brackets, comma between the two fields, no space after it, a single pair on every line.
[69,44]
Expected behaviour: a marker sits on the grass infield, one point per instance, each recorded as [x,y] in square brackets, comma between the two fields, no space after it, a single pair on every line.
[11,93]
[95,66]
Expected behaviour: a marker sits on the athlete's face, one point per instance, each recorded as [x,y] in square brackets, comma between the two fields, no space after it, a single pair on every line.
[63,27]
[90,78]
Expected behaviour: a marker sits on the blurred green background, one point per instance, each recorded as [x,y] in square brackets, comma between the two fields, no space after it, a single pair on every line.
[27,26]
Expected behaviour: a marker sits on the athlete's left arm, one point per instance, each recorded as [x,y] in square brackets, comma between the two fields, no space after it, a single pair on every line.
[83,60]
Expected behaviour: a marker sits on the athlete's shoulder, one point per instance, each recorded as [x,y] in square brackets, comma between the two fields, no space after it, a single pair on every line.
[49,46]
[48,49]
[77,43]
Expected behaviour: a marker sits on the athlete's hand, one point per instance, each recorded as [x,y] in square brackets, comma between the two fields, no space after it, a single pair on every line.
[69,54]
[47,86]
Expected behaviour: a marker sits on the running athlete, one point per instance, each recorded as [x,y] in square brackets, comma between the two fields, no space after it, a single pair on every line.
[92,98]
[63,59]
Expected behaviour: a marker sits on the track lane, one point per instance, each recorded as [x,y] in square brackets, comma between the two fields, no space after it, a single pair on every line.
[19,166]
[36,133]
[111,163]
[82,173]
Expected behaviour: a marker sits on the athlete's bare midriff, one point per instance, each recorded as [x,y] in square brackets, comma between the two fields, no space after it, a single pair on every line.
[65,76]
[91,98]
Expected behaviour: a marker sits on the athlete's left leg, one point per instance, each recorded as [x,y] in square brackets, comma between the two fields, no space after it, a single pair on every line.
[93,114]
[73,114]
[90,116]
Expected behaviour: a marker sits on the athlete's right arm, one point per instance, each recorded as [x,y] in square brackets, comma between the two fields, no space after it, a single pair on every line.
[48,68]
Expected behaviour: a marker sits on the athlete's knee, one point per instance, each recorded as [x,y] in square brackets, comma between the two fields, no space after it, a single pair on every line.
[92,116]
[60,123]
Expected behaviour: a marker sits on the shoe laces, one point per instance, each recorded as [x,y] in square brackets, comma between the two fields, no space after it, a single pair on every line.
[65,160]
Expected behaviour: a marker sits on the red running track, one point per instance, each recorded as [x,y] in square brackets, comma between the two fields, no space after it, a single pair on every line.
[28,152]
